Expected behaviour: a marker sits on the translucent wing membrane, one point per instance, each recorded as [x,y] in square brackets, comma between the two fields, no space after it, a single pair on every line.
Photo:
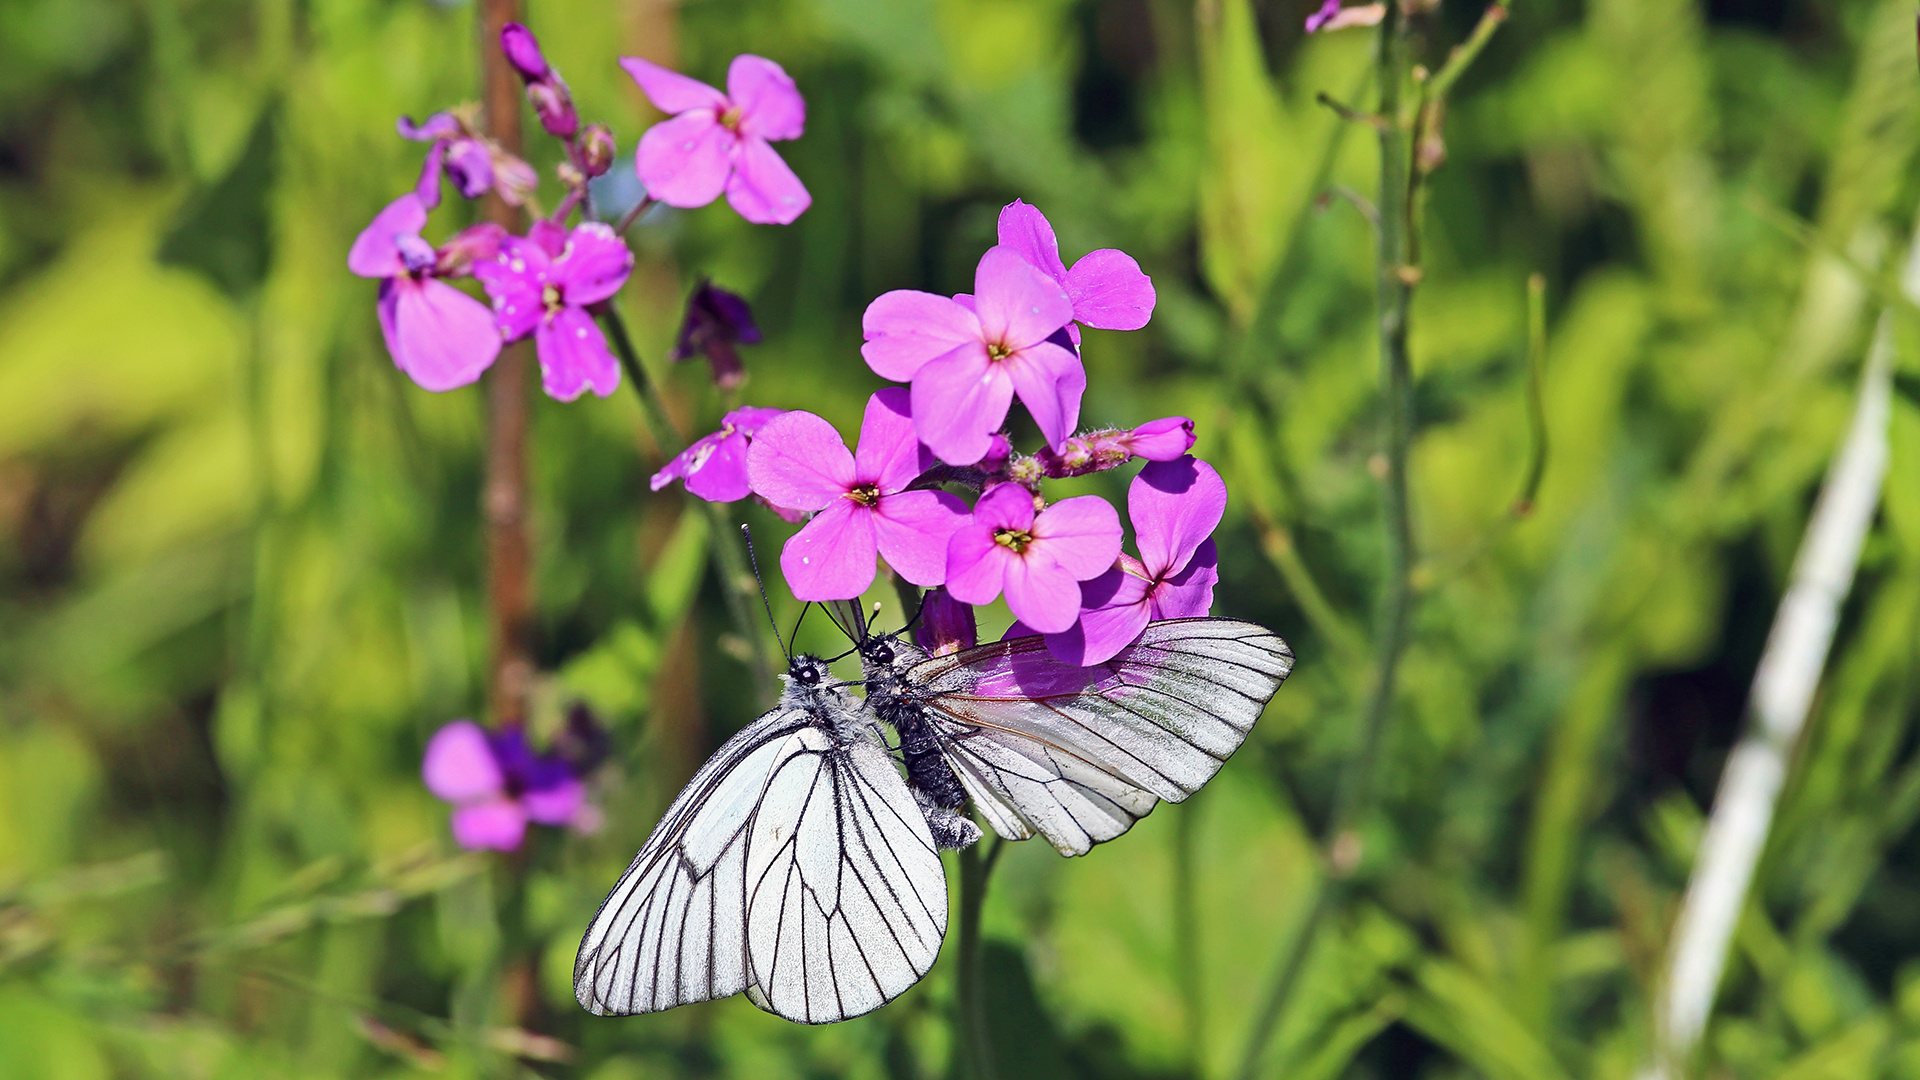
[795,866]
[1078,754]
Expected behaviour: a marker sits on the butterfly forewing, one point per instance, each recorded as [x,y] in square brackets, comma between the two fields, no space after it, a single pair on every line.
[1078,754]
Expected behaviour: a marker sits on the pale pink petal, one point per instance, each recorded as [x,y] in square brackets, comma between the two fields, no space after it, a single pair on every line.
[375,252]
[959,401]
[1189,593]
[1174,506]
[889,453]
[442,338]
[1110,291]
[976,564]
[831,557]
[798,460]
[574,356]
[721,475]
[1042,593]
[1050,381]
[770,105]
[912,529]
[554,805]
[763,189]
[906,328]
[497,825]
[670,91]
[459,765]
[1018,304]
[1026,230]
[685,161]
[1082,534]
[1114,611]
[594,264]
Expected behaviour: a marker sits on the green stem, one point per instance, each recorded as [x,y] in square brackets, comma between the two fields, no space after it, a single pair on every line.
[975,1039]
[1186,936]
[736,581]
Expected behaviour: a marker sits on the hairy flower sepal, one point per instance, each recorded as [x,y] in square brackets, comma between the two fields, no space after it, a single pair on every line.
[860,500]
[542,285]
[441,337]
[1036,556]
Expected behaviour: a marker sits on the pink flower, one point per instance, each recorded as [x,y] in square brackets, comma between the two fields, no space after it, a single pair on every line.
[968,358]
[441,337]
[1108,289]
[1037,559]
[497,784]
[718,142]
[862,500]
[1175,506]
[472,161]
[542,284]
[715,466]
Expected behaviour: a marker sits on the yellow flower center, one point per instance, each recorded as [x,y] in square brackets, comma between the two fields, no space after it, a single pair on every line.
[864,494]
[550,299]
[731,118]
[1015,540]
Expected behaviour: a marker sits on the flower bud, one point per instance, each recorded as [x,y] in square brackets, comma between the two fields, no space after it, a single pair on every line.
[597,149]
[554,106]
[469,246]
[523,52]
[999,449]
[1166,439]
[946,625]
[716,321]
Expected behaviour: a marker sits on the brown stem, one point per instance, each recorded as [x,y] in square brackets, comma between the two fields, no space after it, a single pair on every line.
[504,504]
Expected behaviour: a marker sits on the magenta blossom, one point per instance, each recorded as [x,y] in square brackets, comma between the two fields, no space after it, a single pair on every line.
[497,784]
[1108,289]
[718,142]
[475,163]
[715,466]
[552,103]
[441,337]
[862,500]
[946,625]
[542,284]
[1097,451]
[1037,558]
[1175,506]
[968,358]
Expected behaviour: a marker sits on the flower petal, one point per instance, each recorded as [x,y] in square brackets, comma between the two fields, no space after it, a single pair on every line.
[1189,593]
[889,453]
[831,557]
[1018,304]
[376,252]
[946,625]
[670,91]
[515,280]
[442,338]
[1110,291]
[798,460]
[459,765]
[441,125]
[685,161]
[1165,439]
[1042,593]
[594,264]
[1026,230]
[1050,381]
[1114,611]
[763,189]
[721,476]
[906,328]
[912,529]
[976,564]
[574,356]
[556,804]
[1174,506]
[770,105]
[497,825]
[1005,506]
[1082,534]
[959,401]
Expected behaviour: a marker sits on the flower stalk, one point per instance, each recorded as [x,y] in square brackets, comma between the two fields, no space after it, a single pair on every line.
[976,1036]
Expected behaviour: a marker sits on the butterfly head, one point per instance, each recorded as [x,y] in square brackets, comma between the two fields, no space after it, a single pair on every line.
[808,672]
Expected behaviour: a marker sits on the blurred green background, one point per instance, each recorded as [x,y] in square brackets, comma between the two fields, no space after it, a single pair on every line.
[240,555]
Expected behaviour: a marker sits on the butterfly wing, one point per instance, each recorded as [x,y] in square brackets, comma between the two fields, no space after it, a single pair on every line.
[1078,754]
[794,866]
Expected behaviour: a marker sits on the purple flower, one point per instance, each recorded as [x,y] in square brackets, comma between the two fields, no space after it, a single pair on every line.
[1331,16]
[862,500]
[946,625]
[1098,451]
[1320,18]
[968,358]
[1037,559]
[441,337]
[497,784]
[552,103]
[1108,289]
[472,161]
[718,142]
[1175,506]
[716,321]
[541,285]
[715,466]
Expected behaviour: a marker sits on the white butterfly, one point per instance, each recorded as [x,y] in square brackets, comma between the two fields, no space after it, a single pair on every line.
[800,867]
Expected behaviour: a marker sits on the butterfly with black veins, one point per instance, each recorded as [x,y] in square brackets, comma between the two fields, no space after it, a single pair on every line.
[801,867]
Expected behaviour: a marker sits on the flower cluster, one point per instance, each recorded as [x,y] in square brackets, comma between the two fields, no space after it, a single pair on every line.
[897,495]
[498,784]
[550,284]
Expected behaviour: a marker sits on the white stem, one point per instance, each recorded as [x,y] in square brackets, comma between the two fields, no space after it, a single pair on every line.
[1783,689]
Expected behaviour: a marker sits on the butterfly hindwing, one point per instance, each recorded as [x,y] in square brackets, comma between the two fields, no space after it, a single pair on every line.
[1078,754]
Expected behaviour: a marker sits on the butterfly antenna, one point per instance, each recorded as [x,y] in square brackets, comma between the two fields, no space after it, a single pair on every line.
[747,531]
[794,634]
